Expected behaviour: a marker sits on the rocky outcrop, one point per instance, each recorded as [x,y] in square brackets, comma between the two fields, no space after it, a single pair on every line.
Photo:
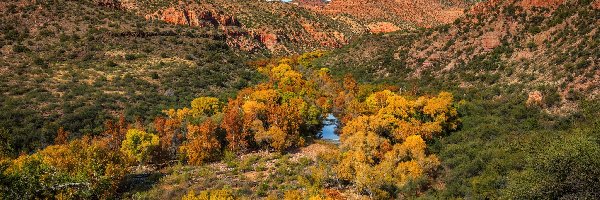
[181,17]
[270,40]
[236,34]
[194,17]
[253,37]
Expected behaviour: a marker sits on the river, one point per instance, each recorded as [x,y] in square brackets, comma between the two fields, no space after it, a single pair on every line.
[328,132]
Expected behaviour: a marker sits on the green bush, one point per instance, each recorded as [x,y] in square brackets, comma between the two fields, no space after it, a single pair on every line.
[566,169]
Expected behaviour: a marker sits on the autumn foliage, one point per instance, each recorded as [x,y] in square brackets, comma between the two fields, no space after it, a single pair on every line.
[81,169]
[202,144]
[386,144]
[277,115]
[139,145]
[383,140]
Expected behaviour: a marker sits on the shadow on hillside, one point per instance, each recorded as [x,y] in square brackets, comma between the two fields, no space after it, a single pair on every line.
[139,182]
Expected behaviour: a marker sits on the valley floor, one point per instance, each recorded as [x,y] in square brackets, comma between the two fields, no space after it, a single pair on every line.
[255,175]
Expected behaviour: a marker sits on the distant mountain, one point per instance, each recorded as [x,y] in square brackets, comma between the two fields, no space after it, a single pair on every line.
[299,26]
[280,28]
[394,13]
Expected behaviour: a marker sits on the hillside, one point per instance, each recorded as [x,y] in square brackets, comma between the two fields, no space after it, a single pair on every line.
[548,49]
[74,64]
[392,15]
[280,28]
[89,61]
[527,73]
[300,26]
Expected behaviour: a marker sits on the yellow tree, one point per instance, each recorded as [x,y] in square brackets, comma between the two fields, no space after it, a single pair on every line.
[81,169]
[386,146]
[206,106]
[349,84]
[138,145]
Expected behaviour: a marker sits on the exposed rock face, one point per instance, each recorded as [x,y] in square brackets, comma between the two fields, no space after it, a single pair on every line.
[250,39]
[181,17]
[270,40]
[194,17]
[490,5]
[236,34]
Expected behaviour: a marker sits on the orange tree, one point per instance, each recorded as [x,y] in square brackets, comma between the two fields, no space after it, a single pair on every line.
[279,114]
[192,133]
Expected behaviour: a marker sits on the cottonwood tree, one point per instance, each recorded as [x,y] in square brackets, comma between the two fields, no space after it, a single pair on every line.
[385,146]
[138,145]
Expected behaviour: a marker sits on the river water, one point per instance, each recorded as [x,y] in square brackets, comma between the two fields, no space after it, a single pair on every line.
[328,131]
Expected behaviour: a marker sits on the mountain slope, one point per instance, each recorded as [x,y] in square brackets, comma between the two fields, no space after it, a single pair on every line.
[526,73]
[547,48]
[279,28]
[423,13]
[301,26]
[74,64]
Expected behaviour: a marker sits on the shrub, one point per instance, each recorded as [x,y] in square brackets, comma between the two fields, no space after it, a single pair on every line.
[82,169]
[130,56]
[20,48]
[565,169]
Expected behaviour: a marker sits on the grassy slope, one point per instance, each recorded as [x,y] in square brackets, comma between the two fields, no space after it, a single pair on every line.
[74,64]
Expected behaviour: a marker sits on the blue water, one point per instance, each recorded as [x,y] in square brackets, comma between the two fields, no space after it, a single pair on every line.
[328,131]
